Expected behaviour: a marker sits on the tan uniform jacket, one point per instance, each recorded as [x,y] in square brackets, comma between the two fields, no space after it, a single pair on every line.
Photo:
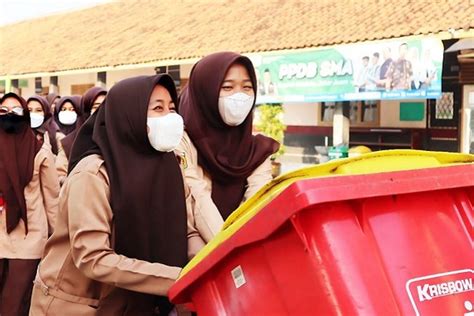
[47,142]
[41,195]
[80,264]
[61,160]
[207,218]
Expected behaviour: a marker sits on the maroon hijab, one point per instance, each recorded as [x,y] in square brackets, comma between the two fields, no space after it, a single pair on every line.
[48,126]
[18,150]
[51,98]
[87,101]
[228,154]
[76,103]
[146,186]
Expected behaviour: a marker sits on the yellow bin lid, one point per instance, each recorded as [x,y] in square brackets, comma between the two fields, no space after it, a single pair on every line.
[374,162]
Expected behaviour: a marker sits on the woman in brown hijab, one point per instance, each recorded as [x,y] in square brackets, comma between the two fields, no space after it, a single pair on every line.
[28,204]
[226,164]
[123,229]
[66,112]
[42,122]
[90,102]
[53,98]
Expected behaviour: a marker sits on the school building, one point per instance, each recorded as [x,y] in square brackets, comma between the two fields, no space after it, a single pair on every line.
[309,54]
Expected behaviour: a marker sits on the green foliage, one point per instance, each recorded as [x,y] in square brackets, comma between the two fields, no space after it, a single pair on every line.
[270,123]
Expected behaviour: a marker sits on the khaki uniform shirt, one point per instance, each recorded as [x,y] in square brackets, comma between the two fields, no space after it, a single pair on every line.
[207,218]
[80,265]
[41,195]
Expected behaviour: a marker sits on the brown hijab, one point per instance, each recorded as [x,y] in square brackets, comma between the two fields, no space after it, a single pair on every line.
[87,101]
[51,98]
[48,126]
[228,154]
[18,149]
[146,186]
[76,103]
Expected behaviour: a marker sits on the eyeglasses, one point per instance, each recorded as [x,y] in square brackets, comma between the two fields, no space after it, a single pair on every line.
[16,110]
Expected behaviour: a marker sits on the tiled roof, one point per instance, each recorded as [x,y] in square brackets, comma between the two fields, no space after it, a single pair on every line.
[128,32]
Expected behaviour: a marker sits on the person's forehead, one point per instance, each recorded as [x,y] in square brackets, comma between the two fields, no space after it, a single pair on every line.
[99,98]
[34,103]
[160,92]
[237,75]
[11,101]
[238,68]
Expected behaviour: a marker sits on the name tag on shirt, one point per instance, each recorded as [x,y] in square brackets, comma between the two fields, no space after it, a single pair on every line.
[182,160]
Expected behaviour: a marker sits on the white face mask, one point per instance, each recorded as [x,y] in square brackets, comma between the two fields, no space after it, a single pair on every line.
[235,108]
[165,132]
[67,117]
[36,120]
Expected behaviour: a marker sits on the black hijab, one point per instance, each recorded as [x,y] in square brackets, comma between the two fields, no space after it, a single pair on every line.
[48,126]
[87,102]
[51,98]
[18,149]
[146,186]
[76,103]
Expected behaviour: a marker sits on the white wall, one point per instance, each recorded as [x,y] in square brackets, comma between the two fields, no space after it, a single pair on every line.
[306,114]
[302,114]
[115,76]
[66,81]
[185,70]
[45,81]
[467,112]
[390,115]
[30,90]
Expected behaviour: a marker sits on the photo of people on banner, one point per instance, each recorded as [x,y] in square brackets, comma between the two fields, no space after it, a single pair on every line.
[406,72]
[266,85]
[407,68]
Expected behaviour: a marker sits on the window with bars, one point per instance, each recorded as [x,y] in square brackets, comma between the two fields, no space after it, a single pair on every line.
[444,111]
[361,113]
[444,108]
[354,112]
[327,111]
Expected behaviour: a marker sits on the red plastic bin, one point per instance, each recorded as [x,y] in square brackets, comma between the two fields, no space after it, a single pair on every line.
[393,243]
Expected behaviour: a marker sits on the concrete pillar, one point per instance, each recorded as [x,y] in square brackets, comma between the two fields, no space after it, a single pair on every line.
[8,85]
[341,124]
[467,120]
[53,85]
[15,86]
